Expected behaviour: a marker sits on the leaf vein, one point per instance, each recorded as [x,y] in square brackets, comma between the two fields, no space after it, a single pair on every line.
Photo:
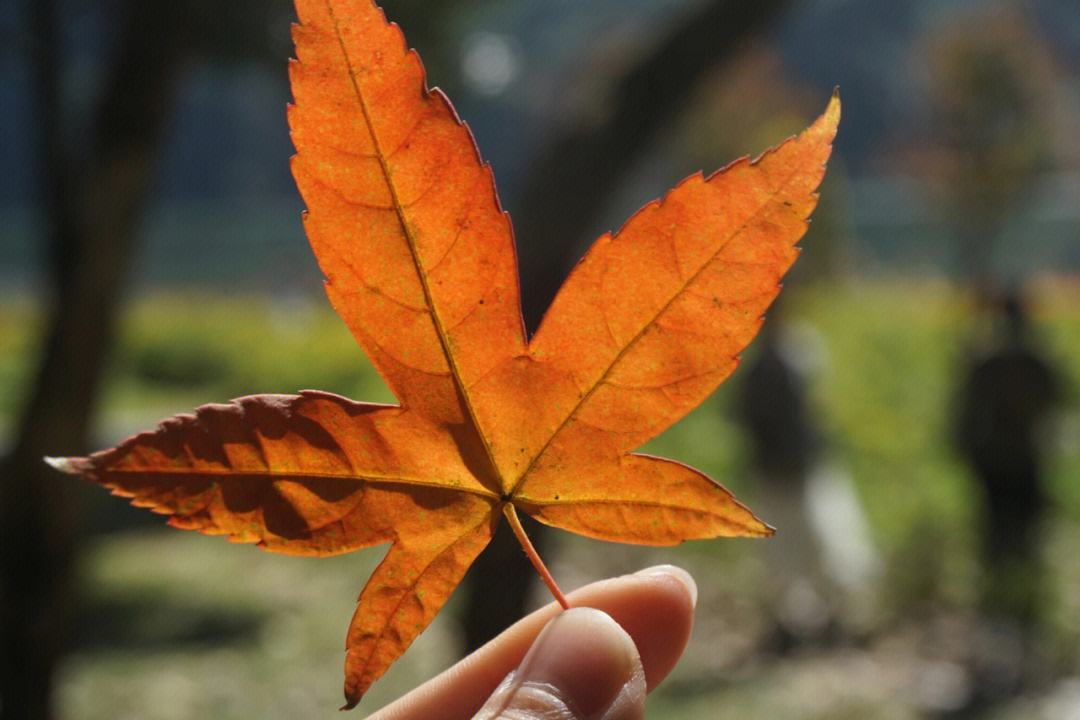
[399,209]
[275,475]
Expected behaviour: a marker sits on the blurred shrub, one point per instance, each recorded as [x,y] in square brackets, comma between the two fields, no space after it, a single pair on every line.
[168,362]
[217,347]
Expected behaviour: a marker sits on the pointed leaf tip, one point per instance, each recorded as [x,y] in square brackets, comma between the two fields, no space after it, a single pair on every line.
[831,116]
[69,465]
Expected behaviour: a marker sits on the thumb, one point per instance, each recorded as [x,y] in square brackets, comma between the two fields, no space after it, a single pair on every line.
[582,666]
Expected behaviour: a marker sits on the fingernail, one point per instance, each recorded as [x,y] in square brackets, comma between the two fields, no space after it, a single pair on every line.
[673,572]
[586,657]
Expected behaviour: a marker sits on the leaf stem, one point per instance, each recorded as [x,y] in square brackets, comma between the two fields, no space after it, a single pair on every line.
[534,557]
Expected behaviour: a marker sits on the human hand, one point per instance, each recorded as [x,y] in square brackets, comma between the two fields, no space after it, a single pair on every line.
[595,661]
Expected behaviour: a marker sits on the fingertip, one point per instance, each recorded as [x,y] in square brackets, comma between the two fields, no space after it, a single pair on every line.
[655,606]
[582,665]
[673,572]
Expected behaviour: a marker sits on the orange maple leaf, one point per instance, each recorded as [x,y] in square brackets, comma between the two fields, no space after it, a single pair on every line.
[420,263]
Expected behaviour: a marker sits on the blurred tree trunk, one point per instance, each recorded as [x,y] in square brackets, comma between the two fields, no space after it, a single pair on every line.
[564,195]
[91,220]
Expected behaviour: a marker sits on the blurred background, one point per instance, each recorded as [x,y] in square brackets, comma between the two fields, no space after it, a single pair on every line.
[908,419]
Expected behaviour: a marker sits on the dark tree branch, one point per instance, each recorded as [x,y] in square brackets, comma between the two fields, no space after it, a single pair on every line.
[580,170]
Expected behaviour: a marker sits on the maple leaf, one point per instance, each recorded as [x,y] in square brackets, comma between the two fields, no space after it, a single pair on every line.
[420,264]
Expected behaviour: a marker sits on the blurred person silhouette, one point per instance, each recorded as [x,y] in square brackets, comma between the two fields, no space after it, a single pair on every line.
[822,561]
[1009,392]
[771,405]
